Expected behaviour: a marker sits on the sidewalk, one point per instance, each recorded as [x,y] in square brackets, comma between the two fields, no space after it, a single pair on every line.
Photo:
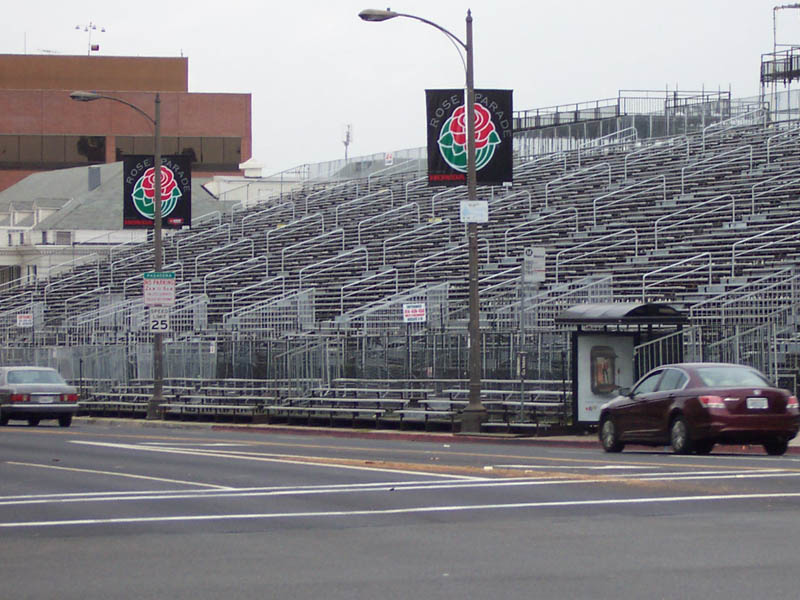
[568,440]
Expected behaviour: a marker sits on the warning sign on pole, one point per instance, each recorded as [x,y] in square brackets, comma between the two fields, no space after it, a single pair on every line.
[159,288]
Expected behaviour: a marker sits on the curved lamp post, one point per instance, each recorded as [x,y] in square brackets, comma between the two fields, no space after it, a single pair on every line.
[474,412]
[157,399]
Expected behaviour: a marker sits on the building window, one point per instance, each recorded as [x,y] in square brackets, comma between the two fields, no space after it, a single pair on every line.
[44,237]
[63,238]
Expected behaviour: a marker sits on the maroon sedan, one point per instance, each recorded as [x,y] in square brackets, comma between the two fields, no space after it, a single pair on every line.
[692,406]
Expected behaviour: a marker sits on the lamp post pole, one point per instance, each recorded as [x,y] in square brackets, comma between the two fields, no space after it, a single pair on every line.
[475,412]
[157,398]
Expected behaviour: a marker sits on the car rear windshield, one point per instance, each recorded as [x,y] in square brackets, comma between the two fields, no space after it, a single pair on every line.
[731,377]
[34,376]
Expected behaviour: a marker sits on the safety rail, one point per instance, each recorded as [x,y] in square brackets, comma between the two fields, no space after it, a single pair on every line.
[271,286]
[286,313]
[715,163]
[710,308]
[358,204]
[729,124]
[419,182]
[203,237]
[501,202]
[785,184]
[313,243]
[756,306]
[463,254]
[415,235]
[685,261]
[70,265]
[735,252]
[394,214]
[217,252]
[126,263]
[71,280]
[236,270]
[95,294]
[574,178]
[330,191]
[603,247]
[377,280]
[694,215]
[597,200]
[659,147]
[339,261]
[291,228]
[263,215]
[398,168]
[531,164]
[490,291]
[543,218]
[623,137]
[460,191]
[210,216]
[792,135]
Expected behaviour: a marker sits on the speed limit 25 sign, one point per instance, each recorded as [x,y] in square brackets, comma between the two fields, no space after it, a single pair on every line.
[159,320]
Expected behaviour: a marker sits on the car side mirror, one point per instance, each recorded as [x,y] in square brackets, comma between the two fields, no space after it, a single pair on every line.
[624,391]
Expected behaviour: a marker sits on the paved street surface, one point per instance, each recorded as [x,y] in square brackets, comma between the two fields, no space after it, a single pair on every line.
[135,511]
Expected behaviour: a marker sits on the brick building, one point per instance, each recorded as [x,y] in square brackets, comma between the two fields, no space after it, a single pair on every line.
[42,129]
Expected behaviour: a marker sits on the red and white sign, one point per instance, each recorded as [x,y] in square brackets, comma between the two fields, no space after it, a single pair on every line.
[159,288]
[24,320]
[414,312]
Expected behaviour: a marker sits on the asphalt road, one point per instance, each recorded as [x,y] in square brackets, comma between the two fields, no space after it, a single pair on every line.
[96,511]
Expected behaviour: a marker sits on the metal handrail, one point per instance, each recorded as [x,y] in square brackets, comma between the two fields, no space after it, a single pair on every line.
[727,124]
[257,215]
[383,216]
[779,135]
[514,195]
[431,224]
[330,190]
[233,270]
[361,200]
[460,191]
[758,235]
[713,159]
[635,239]
[383,273]
[625,189]
[445,251]
[546,217]
[338,258]
[772,189]
[417,181]
[385,170]
[284,229]
[693,208]
[674,277]
[256,289]
[622,137]
[572,176]
[202,236]
[310,243]
[656,148]
[241,242]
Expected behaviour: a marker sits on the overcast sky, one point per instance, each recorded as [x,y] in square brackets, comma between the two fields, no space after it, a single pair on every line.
[314,67]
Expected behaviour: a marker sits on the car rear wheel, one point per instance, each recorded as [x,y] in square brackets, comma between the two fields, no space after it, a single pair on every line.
[33,421]
[4,419]
[679,436]
[776,447]
[704,447]
[609,438]
[65,420]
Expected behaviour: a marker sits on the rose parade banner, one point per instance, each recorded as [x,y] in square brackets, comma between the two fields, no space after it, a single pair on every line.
[138,190]
[447,137]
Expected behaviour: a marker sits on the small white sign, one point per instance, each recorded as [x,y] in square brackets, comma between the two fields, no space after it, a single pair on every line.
[25,320]
[415,312]
[159,321]
[474,211]
[388,159]
[533,265]
[159,288]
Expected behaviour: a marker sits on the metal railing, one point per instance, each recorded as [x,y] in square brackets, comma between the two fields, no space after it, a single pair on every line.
[639,184]
[694,214]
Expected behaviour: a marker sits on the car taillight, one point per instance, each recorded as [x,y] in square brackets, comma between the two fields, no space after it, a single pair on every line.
[69,397]
[792,402]
[20,398]
[712,401]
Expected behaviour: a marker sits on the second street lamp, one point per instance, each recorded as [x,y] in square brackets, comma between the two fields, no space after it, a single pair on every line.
[157,398]
[475,412]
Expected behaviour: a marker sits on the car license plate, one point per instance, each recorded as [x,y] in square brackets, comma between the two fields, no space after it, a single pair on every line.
[757,403]
[46,399]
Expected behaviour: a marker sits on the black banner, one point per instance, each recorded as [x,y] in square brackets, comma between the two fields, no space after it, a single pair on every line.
[447,137]
[138,191]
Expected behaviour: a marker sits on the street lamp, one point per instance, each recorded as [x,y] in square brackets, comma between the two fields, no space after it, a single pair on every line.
[157,399]
[474,413]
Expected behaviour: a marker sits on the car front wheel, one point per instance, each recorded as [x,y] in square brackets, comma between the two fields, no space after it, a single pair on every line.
[609,438]
[65,420]
[33,421]
[679,436]
[776,447]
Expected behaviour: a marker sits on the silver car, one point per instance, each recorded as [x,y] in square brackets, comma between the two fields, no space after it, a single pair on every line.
[36,393]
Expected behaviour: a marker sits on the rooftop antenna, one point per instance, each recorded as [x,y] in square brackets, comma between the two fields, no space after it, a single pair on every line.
[348,137]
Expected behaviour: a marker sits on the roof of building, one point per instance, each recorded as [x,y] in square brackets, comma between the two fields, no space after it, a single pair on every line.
[84,209]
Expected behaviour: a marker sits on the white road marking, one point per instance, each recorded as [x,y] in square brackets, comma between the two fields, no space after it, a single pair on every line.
[293,459]
[402,511]
[118,474]
[581,467]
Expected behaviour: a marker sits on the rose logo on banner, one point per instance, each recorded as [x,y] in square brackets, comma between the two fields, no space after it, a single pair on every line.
[144,193]
[453,139]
